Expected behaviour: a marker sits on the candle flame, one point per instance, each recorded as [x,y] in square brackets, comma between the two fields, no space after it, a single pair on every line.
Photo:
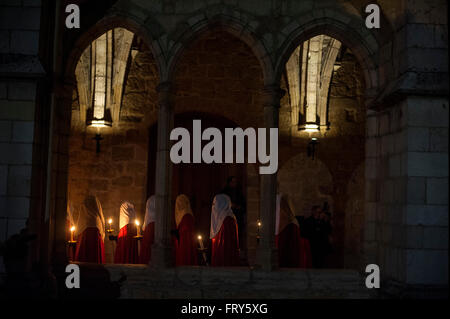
[72,229]
[136,222]
[199,237]
[110,221]
[259,223]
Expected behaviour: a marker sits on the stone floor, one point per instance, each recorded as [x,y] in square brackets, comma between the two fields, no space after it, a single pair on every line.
[139,281]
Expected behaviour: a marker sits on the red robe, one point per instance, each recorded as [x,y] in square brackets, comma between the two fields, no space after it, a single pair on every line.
[146,243]
[186,248]
[305,253]
[293,251]
[127,246]
[90,246]
[225,245]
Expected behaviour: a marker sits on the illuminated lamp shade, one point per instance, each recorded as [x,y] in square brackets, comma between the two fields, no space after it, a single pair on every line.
[310,127]
[99,123]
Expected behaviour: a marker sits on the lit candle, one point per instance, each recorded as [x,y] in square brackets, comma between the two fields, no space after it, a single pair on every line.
[259,226]
[110,224]
[200,241]
[72,229]
[137,227]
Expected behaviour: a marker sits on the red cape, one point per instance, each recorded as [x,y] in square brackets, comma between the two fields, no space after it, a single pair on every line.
[90,246]
[186,248]
[225,245]
[146,243]
[293,251]
[127,246]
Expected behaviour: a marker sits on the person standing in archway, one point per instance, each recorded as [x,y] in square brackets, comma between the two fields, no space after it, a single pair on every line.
[186,247]
[90,232]
[223,233]
[293,250]
[149,230]
[127,245]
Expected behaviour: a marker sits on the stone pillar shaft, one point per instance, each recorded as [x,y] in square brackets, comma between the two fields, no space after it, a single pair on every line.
[56,210]
[162,248]
[267,256]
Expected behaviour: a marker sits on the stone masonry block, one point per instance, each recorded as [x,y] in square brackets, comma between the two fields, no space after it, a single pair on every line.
[437,191]
[416,190]
[435,237]
[426,215]
[22,91]
[19,180]
[23,131]
[25,42]
[427,164]
[418,139]
[426,266]
[5,131]
[427,112]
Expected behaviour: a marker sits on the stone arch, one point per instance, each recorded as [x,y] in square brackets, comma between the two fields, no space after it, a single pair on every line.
[61,118]
[219,18]
[108,23]
[344,27]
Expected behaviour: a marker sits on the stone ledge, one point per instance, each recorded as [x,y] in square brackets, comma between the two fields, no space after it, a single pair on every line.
[141,281]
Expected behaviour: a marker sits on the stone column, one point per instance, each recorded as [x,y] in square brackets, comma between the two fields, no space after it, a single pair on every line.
[266,254]
[162,248]
[58,159]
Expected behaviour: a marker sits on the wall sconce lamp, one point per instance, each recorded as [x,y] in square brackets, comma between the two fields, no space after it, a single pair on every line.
[98,137]
[311,150]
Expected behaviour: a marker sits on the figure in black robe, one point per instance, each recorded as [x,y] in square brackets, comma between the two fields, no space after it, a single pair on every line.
[317,230]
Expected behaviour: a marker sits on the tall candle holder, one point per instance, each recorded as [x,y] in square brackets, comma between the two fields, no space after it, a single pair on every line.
[72,241]
[202,249]
[138,233]
[110,229]
[258,234]
[72,244]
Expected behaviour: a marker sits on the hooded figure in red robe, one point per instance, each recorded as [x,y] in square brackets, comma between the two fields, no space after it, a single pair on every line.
[293,251]
[127,245]
[186,246]
[149,230]
[224,233]
[90,232]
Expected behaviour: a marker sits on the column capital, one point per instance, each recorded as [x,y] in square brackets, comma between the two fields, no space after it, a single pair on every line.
[165,94]
[166,86]
[64,88]
[272,95]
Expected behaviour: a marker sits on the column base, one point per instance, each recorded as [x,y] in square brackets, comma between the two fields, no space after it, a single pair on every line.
[266,259]
[162,257]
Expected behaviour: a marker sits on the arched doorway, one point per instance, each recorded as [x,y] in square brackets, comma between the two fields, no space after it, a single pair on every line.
[199,181]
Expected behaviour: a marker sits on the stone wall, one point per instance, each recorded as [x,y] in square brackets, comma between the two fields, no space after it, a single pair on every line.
[407,201]
[219,74]
[20,71]
[407,156]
